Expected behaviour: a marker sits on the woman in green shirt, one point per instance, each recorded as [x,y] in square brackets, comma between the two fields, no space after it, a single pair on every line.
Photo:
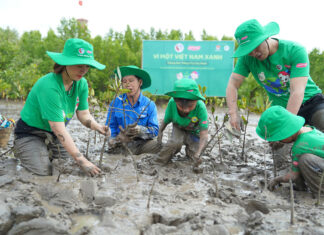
[41,134]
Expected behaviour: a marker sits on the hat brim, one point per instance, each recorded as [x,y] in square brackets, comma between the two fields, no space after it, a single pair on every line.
[61,59]
[138,73]
[270,29]
[287,130]
[185,95]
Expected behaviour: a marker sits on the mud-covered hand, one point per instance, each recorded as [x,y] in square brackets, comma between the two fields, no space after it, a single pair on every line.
[122,136]
[235,122]
[273,183]
[88,167]
[197,161]
[104,130]
[113,143]
[133,130]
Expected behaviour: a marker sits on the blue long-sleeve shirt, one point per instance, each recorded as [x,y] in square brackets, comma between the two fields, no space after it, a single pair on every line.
[148,120]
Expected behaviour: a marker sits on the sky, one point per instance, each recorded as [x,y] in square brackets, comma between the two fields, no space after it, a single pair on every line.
[299,20]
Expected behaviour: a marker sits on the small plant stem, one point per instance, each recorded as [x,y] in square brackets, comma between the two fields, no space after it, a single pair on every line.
[214,135]
[151,191]
[88,143]
[106,136]
[291,203]
[264,161]
[215,182]
[244,156]
[274,159]
[219,150]
[61,169]
[133,161]
[8,151]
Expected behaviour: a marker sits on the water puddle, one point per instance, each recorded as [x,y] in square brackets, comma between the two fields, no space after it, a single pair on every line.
[80,221]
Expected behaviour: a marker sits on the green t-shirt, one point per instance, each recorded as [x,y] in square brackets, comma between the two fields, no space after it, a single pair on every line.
[48,101]
[196,120]
[288,62]
[309,142]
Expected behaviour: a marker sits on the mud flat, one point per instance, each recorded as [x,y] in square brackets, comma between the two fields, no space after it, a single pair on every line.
[227,197]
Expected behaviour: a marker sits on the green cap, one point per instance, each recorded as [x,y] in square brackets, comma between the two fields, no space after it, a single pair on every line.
[250,34]
[76,51]
[186,89]
[136,71]
[277,123]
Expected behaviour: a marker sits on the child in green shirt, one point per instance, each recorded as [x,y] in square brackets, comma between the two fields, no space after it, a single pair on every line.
[188,114]
[278,124]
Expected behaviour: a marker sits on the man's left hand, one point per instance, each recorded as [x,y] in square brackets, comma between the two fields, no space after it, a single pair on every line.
[133,130]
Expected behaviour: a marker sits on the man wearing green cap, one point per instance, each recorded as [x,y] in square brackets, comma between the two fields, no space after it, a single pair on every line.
[41,134]
[188,114]
[281,67]
[132,117]
[278,124]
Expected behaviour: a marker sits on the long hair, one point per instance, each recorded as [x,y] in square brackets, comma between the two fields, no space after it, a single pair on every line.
[58,68]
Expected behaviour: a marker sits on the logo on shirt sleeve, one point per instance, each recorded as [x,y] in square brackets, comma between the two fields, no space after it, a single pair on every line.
[301,65]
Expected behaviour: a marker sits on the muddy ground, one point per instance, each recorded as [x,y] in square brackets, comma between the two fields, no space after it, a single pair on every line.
[137,196]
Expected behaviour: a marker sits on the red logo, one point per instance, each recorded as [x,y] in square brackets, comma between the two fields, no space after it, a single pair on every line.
[81,50]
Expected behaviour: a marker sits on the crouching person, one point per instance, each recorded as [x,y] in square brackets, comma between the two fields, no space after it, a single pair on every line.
[188,114]
[278,124]
[41,134]
[136,111]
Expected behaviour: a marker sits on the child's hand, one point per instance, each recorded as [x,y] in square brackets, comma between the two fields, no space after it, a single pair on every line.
[275,145]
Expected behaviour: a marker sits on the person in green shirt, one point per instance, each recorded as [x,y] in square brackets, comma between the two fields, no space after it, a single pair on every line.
[188,114]
[281,67]
[40,133]
[278,124]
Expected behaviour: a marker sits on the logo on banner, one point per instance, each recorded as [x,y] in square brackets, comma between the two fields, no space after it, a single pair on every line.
[226,48]
[194,75]
[218,47]
[193,48]
[179,47]
[179,75]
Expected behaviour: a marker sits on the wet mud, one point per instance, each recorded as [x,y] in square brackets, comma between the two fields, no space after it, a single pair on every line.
[136,195]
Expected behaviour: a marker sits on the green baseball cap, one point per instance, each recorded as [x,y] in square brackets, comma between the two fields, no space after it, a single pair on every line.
[250,34]
[134,70]
[76,51]
[186,89]
[277,123]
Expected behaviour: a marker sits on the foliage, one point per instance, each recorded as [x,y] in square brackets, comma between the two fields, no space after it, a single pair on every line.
[317,67]
[23,60]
